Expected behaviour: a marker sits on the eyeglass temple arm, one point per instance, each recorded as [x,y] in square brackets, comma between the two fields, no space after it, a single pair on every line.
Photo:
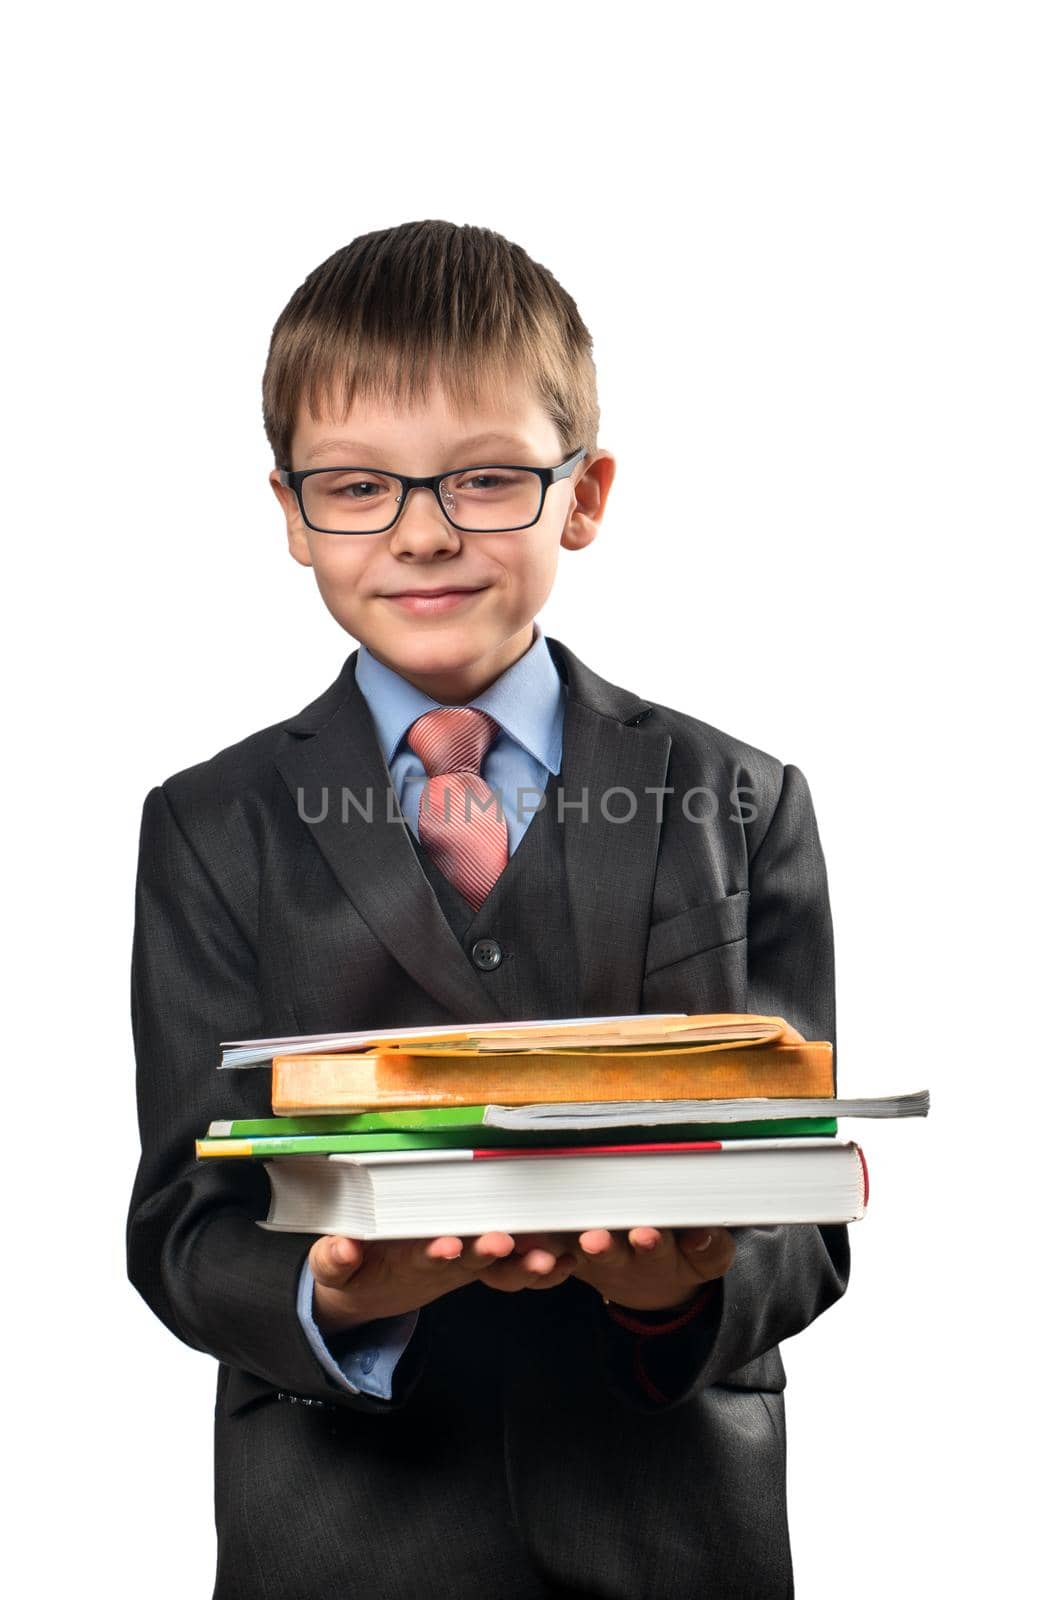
[565,468]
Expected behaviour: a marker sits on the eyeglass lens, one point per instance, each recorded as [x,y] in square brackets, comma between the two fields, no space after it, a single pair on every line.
[482,499]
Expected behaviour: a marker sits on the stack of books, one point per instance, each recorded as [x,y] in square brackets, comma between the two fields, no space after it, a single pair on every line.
[666,1119]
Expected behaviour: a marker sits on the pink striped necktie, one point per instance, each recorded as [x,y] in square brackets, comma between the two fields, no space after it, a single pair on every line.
[465,837]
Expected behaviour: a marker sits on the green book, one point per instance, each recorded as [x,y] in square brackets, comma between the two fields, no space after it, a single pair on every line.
[472,1134]
[427,1119]
[410,1120]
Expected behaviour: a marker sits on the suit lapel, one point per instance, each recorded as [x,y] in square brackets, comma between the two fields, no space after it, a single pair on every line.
[610,865]
[331,751]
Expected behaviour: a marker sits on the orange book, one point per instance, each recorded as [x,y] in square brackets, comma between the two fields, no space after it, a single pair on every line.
[374,1080]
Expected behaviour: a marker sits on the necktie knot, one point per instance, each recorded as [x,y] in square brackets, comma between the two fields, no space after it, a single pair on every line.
[452,739]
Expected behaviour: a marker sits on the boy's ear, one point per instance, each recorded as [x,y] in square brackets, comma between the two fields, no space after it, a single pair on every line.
[297,533]
[591,489]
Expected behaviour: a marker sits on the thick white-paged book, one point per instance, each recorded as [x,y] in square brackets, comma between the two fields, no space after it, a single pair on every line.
[415,1194]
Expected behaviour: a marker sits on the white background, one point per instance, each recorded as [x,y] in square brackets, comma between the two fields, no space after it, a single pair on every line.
[808,241]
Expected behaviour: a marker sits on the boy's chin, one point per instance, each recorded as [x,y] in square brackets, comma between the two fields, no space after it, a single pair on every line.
[432,655]
[438,649]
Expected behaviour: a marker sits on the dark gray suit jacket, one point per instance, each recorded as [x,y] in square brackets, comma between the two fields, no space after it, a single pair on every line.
[520,1454]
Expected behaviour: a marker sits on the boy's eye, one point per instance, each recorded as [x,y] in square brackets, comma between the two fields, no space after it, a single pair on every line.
[486,482]
[354,486]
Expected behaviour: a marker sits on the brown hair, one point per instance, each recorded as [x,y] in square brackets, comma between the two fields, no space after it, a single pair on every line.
[378,317]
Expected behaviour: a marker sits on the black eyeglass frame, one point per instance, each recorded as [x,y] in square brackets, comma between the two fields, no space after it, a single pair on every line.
[545,475]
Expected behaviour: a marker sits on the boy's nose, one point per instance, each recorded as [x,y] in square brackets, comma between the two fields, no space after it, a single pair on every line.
[421,524]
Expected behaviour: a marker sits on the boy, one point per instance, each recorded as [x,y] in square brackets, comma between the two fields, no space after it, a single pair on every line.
[528,1417]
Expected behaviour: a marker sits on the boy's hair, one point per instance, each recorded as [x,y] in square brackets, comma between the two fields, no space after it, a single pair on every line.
[383,315]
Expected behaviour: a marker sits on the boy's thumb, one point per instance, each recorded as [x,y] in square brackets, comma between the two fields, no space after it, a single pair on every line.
[334,1260]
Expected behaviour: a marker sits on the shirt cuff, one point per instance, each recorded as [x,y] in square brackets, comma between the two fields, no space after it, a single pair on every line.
[367,1355]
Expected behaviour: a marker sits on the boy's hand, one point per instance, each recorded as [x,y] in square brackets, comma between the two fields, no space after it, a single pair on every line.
[357,1282]
[652,1269]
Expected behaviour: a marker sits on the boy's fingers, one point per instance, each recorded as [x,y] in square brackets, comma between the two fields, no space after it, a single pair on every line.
[709,1251]
[448,1247]
[652,1244]
[334,1260]
[603,1248]
[546,1256]
[469,1255]
[553,1242]
[512,1276]
[481,1253]
[538,1261]
[536,1254]
[562,1269]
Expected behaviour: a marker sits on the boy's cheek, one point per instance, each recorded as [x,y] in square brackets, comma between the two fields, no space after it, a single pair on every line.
[339,577]
[340,604]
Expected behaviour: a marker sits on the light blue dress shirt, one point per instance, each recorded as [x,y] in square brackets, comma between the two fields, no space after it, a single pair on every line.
[527,702]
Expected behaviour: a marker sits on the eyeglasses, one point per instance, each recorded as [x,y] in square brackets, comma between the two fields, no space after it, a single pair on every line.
[487,499]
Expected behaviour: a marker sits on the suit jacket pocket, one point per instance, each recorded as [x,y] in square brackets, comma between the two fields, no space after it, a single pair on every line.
[696,930]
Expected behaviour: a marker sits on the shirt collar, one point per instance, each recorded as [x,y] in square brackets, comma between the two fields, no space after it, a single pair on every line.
[527,701]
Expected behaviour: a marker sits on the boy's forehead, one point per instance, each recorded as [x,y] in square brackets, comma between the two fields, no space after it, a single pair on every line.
[514,420]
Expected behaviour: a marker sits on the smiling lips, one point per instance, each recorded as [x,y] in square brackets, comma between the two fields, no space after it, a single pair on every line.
[430,600]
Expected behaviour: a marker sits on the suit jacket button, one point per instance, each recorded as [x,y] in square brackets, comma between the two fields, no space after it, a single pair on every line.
[486,954]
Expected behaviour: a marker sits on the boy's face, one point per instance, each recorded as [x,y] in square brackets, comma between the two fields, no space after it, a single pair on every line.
[451,649]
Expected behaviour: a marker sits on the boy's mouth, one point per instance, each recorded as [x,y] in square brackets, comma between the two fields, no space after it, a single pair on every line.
[430,600]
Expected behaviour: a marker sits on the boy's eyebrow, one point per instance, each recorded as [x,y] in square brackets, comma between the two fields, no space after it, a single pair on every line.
[329,447]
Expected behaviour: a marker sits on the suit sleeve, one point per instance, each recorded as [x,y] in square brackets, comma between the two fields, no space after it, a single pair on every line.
[194,1250]
[782,1277]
